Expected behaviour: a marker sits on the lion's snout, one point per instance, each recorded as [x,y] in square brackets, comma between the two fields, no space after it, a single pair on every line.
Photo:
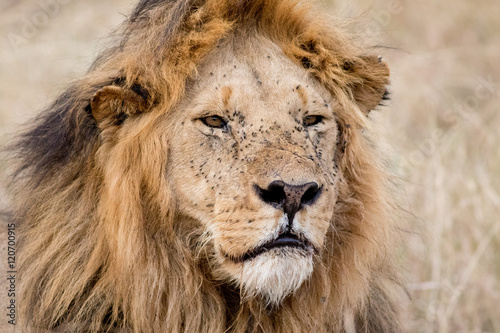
[289,198]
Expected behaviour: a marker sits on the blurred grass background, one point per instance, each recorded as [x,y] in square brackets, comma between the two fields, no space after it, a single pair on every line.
[443,124]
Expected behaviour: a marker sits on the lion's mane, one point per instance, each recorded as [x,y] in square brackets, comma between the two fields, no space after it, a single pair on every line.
[102,246]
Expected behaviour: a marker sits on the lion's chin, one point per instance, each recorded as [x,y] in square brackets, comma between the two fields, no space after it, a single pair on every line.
[275,274]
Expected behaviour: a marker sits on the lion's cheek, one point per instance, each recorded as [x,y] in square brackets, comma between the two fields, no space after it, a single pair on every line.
[198,191]
[192,200]
[314,222]
[235,234]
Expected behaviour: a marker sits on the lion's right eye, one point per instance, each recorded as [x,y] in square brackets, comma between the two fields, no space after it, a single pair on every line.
[214,121]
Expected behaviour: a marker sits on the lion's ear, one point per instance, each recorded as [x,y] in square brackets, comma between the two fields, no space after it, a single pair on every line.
[371,79]
[112,104]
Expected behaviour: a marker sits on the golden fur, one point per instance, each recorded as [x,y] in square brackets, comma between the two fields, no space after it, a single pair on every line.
[114,233]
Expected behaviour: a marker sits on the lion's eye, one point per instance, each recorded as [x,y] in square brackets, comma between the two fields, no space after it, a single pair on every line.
[312,120]
[214,121]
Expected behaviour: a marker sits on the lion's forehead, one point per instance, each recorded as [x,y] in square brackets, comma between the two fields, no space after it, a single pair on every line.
[259,80]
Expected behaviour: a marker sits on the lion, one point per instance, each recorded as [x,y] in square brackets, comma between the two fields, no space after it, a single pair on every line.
[216,170]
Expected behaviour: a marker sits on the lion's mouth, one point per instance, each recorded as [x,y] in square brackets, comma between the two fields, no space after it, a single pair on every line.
[285,240]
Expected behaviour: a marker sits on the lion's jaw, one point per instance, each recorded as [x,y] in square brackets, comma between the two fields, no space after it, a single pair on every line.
[262,185]
[276,274]
[273,269]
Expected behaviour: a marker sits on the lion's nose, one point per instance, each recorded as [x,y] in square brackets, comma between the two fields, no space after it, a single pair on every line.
[289,198]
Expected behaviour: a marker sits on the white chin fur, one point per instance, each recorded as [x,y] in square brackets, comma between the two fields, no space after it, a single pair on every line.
[275,274]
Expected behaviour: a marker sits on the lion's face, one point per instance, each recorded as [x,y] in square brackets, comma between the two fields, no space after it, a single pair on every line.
[252,158]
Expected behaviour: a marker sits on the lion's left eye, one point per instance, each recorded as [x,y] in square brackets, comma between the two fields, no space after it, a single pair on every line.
[214,121]
[312,120]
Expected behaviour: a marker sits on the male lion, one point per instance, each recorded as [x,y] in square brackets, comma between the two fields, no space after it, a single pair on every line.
[215,171]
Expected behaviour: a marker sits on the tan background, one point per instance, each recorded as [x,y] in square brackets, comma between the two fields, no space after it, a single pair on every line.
[443,124]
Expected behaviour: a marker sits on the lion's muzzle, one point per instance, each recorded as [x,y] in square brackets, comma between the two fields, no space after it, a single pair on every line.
[285,240]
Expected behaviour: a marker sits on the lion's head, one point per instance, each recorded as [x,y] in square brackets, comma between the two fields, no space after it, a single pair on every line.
[214,171]
[253,160]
